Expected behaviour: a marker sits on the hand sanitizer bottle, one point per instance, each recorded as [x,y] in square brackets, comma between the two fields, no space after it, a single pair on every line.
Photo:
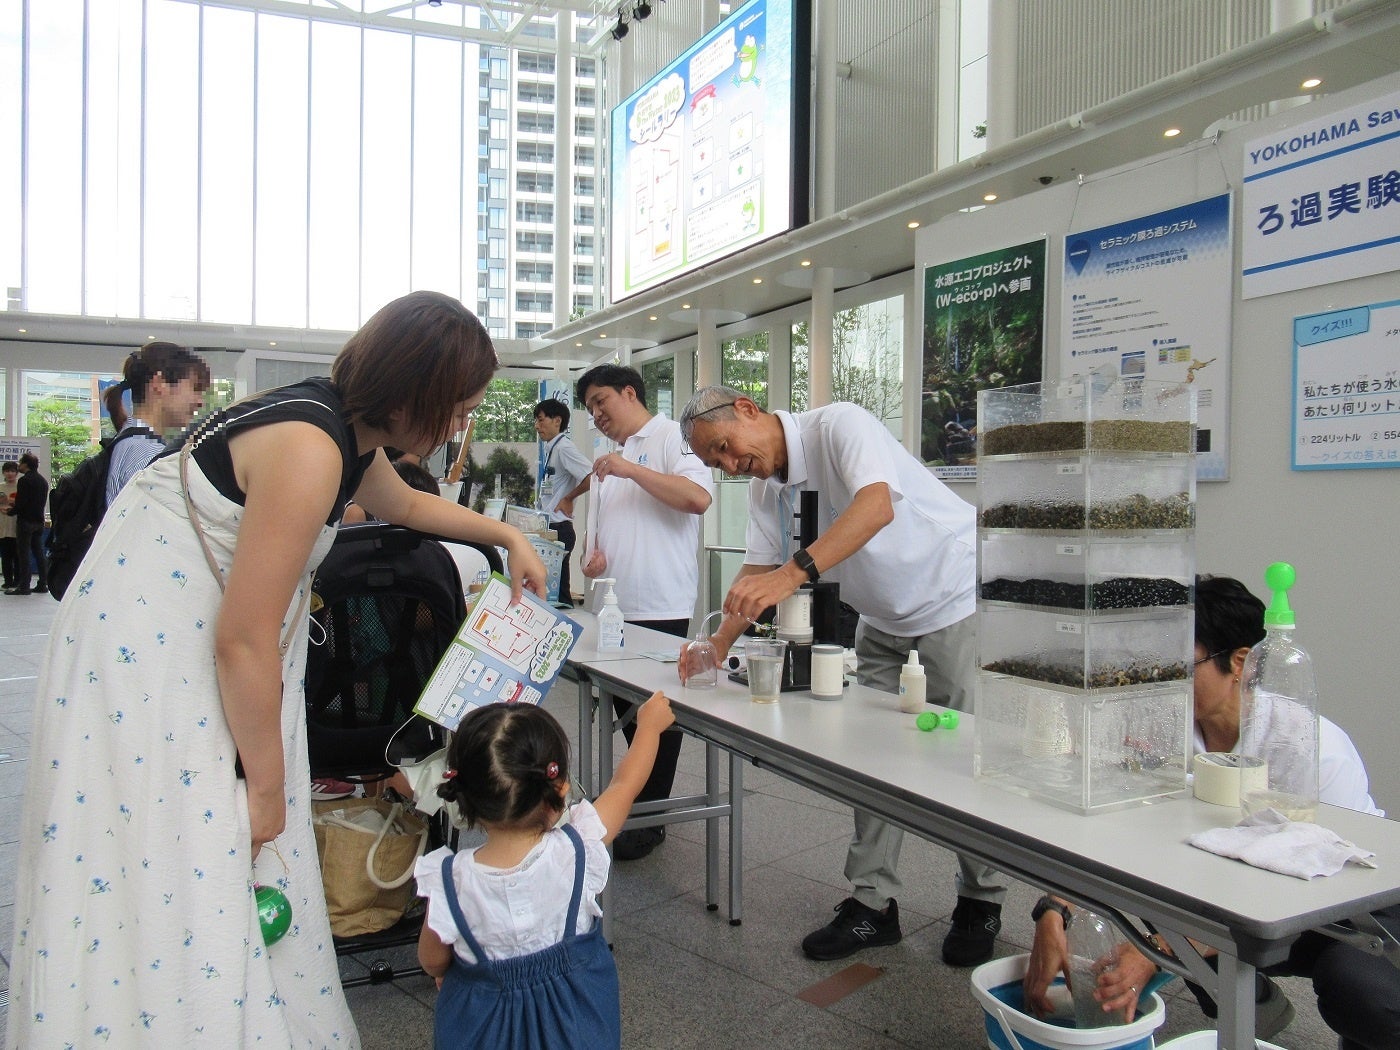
[609,619]
[1278,710]
[913,685]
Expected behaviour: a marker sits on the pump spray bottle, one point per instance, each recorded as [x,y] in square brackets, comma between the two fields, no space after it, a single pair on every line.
[609,619]
[913,686]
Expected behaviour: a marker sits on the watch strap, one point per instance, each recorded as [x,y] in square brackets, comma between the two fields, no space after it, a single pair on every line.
[806,564]
[1049,903]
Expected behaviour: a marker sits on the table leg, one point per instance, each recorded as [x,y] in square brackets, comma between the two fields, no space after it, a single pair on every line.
[585,737]
[712,828]
[1236,1002]
[736,840]
[604,722]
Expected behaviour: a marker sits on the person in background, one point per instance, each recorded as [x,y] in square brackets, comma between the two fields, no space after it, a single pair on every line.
[1358,994]
[647,499]
[563,476]
[31,499]
[512,928]
[9,548]
[901,545]
[167,384]
[168,771]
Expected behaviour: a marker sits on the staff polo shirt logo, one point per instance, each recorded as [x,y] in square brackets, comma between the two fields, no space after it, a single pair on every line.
[642,460]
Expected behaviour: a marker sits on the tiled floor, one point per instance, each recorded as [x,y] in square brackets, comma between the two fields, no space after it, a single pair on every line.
[689,979]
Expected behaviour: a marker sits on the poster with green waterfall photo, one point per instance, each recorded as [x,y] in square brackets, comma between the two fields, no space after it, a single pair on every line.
[984,326]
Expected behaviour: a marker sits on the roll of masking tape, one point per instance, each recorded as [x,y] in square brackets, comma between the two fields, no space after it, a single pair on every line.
[1219,778]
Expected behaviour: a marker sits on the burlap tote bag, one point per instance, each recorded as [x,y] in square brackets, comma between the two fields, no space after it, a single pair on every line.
[368,848]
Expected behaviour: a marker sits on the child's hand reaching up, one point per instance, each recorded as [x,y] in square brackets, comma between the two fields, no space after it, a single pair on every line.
[615,802]
[655,714]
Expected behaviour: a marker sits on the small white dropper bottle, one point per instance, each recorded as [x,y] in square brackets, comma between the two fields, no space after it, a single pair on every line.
[913,686]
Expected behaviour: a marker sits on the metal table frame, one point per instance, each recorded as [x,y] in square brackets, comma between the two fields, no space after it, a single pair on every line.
[1249,916]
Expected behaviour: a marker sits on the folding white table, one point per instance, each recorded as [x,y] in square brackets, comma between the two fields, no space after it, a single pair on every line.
[862,751]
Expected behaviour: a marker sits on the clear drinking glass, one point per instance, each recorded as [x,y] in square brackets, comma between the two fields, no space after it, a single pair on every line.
[764,657]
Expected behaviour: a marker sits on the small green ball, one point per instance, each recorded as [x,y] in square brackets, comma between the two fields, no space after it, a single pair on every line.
[274,913]
[928,721]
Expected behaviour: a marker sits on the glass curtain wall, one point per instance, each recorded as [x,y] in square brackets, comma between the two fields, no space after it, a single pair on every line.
[192,161]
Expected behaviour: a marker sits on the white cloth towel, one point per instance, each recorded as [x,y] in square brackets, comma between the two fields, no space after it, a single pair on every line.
[1270,840]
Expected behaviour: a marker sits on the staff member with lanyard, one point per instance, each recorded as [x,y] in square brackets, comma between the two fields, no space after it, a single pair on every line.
[562,477]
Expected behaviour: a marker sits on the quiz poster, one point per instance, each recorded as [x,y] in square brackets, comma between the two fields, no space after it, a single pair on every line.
[1346,388]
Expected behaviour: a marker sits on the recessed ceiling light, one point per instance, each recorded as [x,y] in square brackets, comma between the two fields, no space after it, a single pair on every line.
[1311,83]
[914,225]
[806,262]
[685,306]
[989,197]
[1171,133]
[758,280]
[22,331]
[272,342]
[651,317]
[602,335]
[578,344]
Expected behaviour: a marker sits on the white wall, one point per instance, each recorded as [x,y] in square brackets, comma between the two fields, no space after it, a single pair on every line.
[1336,526]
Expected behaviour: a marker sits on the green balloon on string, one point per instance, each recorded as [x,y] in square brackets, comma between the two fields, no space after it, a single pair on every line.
[274,913]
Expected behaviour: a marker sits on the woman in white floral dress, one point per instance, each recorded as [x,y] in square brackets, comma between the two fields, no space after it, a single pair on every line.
[168,773]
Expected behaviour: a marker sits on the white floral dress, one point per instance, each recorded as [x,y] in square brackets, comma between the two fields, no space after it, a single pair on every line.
[135,918]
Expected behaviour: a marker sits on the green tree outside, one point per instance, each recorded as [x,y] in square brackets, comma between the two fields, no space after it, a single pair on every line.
[507,412]
[68,430]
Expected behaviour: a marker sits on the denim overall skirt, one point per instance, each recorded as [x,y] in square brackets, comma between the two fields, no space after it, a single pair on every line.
[565,995]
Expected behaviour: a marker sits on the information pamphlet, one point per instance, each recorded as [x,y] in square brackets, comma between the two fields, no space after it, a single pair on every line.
[503,652]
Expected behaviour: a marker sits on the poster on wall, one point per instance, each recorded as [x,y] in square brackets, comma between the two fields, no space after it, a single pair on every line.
[1346,388]
[984,326]
[1322,201]
[1150,298]
[14,446]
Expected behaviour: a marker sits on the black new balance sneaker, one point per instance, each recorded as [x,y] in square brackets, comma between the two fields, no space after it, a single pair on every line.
[855,927]
[973,936]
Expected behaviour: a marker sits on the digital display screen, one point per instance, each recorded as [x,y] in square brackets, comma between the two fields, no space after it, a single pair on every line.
[710,155]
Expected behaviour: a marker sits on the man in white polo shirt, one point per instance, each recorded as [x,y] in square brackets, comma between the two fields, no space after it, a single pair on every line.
[648,498]
[901,545]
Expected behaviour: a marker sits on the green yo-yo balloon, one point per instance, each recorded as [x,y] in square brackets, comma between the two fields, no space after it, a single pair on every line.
[274,913]
[928,721]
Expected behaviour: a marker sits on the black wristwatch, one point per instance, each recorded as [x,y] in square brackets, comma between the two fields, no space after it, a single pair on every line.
[806,564]
[1049,903]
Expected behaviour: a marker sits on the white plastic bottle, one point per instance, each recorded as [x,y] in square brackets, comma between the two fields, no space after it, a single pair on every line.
[609,619]
[1278,710]
[913,686]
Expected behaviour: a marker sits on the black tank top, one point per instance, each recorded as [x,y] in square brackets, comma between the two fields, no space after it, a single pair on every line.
[314,401]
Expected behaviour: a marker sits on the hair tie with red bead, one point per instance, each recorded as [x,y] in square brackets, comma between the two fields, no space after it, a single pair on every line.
[450,774]
[551,771]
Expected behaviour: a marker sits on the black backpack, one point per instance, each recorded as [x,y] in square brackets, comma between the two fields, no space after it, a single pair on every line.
[76,506]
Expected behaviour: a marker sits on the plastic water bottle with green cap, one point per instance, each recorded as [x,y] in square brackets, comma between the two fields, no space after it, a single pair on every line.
[1278,710]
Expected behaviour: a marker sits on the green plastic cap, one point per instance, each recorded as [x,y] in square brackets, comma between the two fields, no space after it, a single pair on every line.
[1279,578]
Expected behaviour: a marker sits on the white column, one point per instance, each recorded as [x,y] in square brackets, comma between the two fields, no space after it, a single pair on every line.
[822,326]
[1002,32]
[708,350]
[824,201]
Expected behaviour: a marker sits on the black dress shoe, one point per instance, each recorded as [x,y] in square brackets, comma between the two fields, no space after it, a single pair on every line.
[41,590]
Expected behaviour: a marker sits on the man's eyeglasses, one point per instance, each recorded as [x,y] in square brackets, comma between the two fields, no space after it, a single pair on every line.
[1212,656]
